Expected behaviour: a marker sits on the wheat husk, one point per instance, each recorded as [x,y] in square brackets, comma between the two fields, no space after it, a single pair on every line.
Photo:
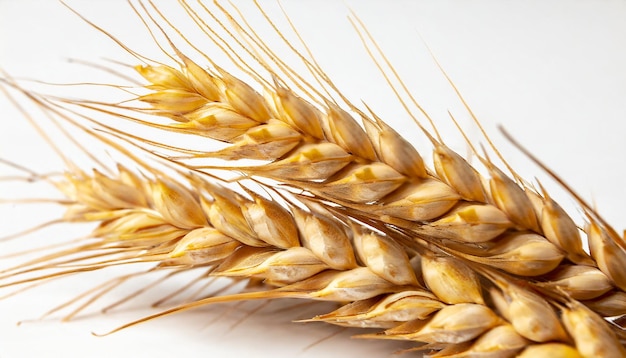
[611,304]
[530,314]
[579,282]
[609,256]
[386,260]
[452,324]
[451,280]
[591,334]
[499,342]
[550,350]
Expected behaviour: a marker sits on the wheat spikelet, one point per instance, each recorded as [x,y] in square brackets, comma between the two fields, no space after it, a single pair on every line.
[427,228]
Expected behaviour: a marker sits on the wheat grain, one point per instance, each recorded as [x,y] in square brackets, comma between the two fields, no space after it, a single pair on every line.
[530,314]
[611,304]
[592,336]
[451,280]
[452,324]
[322,150]
[550,350]
[580,282]
[500,341]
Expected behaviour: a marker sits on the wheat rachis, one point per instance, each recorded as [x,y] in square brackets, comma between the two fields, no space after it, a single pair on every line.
[311,196]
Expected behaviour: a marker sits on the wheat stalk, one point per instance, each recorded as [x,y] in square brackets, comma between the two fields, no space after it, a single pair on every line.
[436,270]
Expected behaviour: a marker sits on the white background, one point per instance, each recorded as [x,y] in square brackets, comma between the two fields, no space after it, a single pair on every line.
[551,72]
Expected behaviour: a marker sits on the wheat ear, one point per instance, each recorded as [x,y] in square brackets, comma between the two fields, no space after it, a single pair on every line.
[462,262]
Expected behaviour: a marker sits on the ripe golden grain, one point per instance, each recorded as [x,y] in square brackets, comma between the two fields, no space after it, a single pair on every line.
[159,218]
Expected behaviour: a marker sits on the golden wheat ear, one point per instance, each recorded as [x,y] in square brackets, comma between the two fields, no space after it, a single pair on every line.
[305,194]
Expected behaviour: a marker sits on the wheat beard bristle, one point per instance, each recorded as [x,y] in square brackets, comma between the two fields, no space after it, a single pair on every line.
[310,196]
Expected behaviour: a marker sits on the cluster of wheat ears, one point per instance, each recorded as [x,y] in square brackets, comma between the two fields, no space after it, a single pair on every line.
[315,198]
